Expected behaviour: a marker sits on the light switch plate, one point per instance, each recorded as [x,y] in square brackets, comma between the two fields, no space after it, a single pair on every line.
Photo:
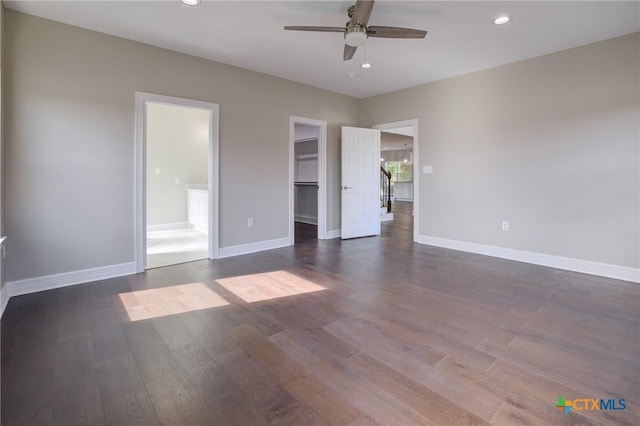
[427,169]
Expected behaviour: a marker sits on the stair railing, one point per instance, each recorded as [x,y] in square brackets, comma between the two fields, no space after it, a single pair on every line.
[385,189]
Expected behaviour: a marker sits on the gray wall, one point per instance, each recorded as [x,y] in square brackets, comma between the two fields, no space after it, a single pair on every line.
[396,155]
[177,145]
[1,141]
[393,141]
[550,144]
[69,131]
[304,131]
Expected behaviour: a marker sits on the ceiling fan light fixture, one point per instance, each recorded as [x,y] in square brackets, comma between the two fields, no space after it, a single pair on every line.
[355,38]
[501,20]
[191,2]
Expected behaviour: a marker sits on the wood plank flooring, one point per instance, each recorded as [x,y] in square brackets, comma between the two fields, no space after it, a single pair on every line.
[305,232]
[359,332]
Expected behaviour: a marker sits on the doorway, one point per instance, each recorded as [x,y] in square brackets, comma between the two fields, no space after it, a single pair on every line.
[176,180]
[307,180]
[399,160]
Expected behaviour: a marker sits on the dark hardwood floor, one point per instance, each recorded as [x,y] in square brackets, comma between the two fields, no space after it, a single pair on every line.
[305,232]
[358,332]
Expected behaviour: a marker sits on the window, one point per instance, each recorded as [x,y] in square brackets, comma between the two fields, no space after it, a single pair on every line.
[401,171]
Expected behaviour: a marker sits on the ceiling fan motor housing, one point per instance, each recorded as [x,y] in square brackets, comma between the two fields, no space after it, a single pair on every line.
[355,35]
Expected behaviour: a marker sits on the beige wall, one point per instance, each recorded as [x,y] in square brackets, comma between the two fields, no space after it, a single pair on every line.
[70,137]
[550,144]
[177,147]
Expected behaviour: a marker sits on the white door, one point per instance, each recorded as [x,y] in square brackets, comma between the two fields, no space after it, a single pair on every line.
[360,182]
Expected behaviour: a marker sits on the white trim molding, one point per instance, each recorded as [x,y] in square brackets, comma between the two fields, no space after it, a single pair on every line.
[65,279]
[167,226]
[306,219]
[253,247]
[4,298]
[567,263]
[334,233]
[4,292]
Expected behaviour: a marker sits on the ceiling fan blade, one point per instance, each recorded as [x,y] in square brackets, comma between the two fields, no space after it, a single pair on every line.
[394,32]
[362,12]
[321,29]
[349,51]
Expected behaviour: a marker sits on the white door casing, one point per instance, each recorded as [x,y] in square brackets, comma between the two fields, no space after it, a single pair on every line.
[140,221]
[360,182]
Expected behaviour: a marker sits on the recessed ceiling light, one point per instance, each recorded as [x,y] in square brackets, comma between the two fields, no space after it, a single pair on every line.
[501,20]
[191,2]
[366,65]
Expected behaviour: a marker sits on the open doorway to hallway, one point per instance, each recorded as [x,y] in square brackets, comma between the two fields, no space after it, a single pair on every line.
[398,174]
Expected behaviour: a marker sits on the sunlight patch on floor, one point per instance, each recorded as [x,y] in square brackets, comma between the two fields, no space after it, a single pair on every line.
[268,285]
[160,302]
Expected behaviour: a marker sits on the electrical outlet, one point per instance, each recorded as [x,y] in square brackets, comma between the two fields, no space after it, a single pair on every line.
[505,225]
[177,181]
[250,222]
[157,170]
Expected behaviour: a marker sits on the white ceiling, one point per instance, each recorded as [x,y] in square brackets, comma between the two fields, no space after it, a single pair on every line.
[461,38]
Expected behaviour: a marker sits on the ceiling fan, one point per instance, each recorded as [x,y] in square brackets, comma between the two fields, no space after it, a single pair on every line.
[356,30]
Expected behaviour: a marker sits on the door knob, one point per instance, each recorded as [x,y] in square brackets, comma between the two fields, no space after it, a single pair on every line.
[346,187]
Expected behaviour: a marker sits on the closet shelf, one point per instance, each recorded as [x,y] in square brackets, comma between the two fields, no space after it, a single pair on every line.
[306,156]
[297,183]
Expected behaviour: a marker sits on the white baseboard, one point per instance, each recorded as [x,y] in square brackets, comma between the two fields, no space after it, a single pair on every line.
[167,226]
[253,247]
[570,264]
[49,282]
[335,233]
[386,217]
[306,219]
[4,298]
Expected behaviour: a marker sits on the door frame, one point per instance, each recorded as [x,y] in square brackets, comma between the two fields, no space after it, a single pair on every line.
[322,175]
[140,171]
[416,166]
